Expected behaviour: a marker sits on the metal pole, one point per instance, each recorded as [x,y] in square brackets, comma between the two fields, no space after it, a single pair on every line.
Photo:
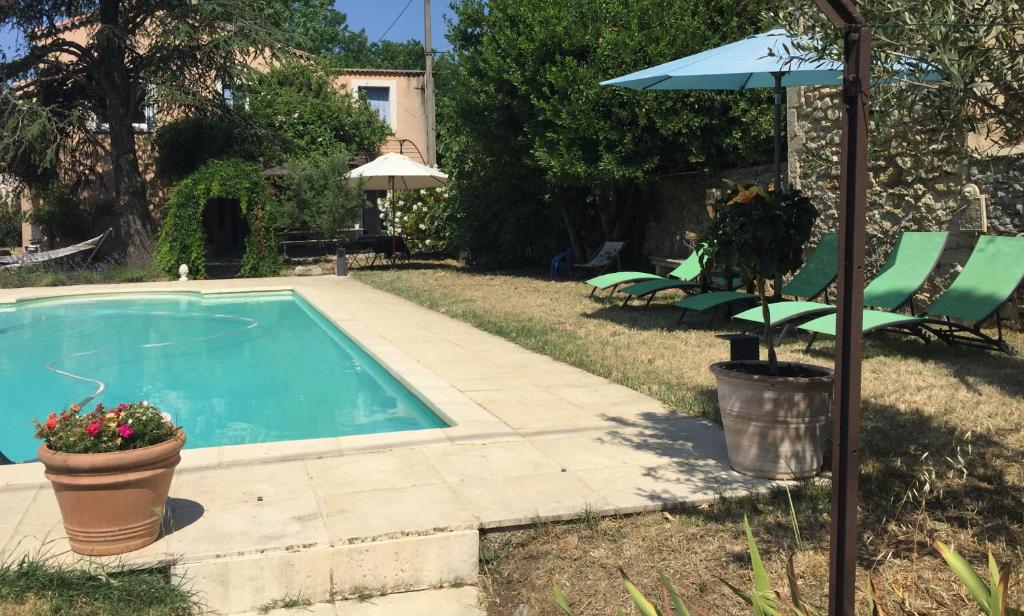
[842,566]
[849,344]
[428,87]
[778,130]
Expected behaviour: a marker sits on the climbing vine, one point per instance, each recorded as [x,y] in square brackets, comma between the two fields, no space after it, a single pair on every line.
[182,237]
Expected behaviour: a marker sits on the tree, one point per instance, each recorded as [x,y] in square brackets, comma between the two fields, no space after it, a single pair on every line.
[299,112]
[976,47]
[133,52]
[533,140]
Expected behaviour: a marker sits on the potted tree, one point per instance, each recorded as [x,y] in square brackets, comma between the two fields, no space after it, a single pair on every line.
[776,415]
[111,470]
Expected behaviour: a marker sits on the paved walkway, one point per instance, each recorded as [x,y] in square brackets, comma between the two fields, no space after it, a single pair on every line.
[537,440]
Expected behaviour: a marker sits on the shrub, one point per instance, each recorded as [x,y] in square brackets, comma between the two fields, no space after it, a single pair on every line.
[102,430]
[759,234]
[423,217]
[316,198]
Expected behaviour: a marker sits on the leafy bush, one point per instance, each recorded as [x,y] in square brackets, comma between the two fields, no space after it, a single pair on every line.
[299,112]
[316,198]
[65,218]
[759,234]
[182,238]
[188,143]
[10,219]
[423,217]
[102,430]
[540,150]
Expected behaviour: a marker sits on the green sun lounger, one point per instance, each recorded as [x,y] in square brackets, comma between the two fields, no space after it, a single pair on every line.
[689,269]
[992,273]
[812,280]
[650,288]
[908,266]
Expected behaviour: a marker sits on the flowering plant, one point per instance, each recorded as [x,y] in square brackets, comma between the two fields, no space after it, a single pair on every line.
[419,216]
[103,430]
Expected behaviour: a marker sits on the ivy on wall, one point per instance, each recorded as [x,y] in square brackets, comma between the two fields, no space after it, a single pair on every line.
[182,237]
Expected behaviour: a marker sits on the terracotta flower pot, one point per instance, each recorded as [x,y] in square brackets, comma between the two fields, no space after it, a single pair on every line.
[112,503]
[775,426]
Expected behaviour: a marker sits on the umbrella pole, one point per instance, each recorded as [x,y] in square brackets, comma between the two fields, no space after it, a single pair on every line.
[778,130]
[777,286]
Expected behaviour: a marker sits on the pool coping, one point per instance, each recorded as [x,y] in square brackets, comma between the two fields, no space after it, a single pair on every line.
[467,420]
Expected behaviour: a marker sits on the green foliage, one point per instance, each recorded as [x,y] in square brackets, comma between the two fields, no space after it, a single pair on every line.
[65,218]
[10,218]
[534,142]
[45,583]
[316,198]
[991,594]
[299,112]
[423,217]
[976,49]
[182,238]
[188,143]
[104,430]
[316,27]
[759,235]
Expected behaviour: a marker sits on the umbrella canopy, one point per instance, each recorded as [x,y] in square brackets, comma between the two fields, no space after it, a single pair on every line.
[758,61]
[754,62]
[396,172]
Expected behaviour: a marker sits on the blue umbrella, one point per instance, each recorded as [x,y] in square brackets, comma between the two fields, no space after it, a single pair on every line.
[758,61]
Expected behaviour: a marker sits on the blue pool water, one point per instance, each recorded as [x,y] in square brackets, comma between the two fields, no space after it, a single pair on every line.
[231,369]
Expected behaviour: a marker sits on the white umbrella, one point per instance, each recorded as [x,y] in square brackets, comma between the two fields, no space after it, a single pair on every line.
[397,172]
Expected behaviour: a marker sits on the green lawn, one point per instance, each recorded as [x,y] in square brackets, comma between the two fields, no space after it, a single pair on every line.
[943,442]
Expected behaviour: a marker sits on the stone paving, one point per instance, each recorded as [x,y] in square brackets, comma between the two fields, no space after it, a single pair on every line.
[534,440]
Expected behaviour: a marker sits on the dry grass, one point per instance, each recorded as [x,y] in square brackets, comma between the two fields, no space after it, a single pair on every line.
[943,443]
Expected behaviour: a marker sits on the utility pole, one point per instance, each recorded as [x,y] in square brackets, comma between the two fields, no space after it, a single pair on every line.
[428,88]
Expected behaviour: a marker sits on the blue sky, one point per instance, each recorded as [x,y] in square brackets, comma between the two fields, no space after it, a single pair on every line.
[374,16]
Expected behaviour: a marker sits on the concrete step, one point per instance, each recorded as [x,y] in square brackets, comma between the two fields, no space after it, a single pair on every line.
[322,573]
[459,601]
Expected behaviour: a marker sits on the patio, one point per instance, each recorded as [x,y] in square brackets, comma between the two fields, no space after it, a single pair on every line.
[535,440]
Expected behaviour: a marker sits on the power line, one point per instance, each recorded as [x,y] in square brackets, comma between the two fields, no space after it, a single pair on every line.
[402,12]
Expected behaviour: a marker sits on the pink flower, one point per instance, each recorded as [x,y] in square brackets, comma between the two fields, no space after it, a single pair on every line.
[125,431]
[94,428]
[122,407]
[99,406]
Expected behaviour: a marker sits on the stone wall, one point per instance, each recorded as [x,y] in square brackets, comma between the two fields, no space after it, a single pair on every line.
[680,205]
[916,183]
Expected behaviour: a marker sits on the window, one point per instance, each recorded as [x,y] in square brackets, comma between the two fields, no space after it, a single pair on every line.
[380,99]
[143,117]
[234,95]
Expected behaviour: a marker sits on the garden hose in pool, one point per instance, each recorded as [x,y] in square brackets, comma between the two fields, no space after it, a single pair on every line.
[101,386]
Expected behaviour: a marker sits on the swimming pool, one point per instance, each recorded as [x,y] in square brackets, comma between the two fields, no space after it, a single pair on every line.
[231,368]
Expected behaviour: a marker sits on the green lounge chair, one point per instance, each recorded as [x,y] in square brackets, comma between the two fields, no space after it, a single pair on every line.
[812,280]
[908,266]
[689,269]
[990,276]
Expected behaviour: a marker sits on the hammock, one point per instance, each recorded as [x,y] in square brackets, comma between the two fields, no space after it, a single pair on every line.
[52,255]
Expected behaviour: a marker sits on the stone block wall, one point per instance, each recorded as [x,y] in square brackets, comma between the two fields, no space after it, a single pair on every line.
[680,205]
[918,185]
